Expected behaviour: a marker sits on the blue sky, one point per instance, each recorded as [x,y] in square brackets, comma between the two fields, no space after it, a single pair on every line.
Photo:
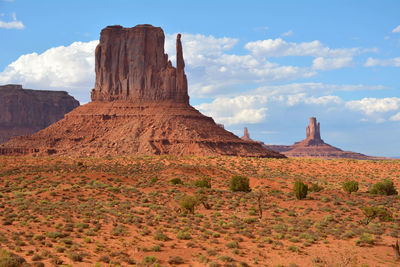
[267,65]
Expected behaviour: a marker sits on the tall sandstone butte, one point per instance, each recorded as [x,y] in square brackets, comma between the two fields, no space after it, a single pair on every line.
[314,147]
[140,106]
[26,111]
[131,65]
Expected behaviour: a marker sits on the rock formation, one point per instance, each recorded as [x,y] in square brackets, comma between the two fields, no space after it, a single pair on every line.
[140,106]
[314,147]
[25,111]
[246,135]
[131,65]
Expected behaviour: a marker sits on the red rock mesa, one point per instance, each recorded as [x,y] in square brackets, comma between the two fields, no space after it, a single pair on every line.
[26,111]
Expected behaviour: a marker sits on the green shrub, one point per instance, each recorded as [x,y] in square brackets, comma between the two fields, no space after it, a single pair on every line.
[232,244]
[160,236]
[75,256]
[188,203]
[176,260]
[385,187]
[365,239]
[176,181]
[350,186]
[8,259]
[239,183]
[149,260]
[203,182]
[183,235]
[372,212]
[300,189]
[105,259]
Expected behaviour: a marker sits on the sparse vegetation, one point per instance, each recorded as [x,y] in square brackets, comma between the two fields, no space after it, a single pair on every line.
[385,187]
[372,212]
[203,182]
[350,186]
[300,189]
[58,213]
[239,184]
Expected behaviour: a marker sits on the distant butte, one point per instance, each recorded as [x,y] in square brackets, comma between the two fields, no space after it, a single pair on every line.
[140,106]
[26,111]
[314,147]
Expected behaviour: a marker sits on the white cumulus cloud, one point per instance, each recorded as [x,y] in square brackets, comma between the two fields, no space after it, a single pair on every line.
[391,62]
[213,70]
[279,48]
[375,105]
[236,110]
[322,63]
[64,67]
[14,24]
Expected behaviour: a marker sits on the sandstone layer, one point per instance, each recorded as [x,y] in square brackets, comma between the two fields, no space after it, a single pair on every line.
[314,147]
[26,111]
[140,106]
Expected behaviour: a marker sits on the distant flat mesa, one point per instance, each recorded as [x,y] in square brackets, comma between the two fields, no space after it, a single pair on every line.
[26,111]
[314,147]
[140,106]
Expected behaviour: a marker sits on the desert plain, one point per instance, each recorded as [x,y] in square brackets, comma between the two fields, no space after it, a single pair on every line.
[136,211]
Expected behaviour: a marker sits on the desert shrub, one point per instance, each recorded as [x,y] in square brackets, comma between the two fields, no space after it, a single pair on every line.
[232,244]
[300,189]
[372,212]
[118,230]
[149,260]
[316,187]
[56,235]
[365,239]
[385,187]
[239,183]
[75,256]
[104,258]
[188,203]
[176,181]
[36,257]
[350,186]
[160,236]
[176,260]
[155,248]
[183,235]
[8,259]
[203,182]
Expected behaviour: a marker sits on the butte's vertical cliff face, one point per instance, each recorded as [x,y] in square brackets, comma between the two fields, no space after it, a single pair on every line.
[25,111]
[131,65]
[140,106]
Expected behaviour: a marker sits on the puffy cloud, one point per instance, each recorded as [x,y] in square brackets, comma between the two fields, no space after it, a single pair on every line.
[254,106]
[375,105]
[65,67]
[393,62]
[322,63]
[14,24]
[212,70]
[279,48]
[236,110]
[396,30]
